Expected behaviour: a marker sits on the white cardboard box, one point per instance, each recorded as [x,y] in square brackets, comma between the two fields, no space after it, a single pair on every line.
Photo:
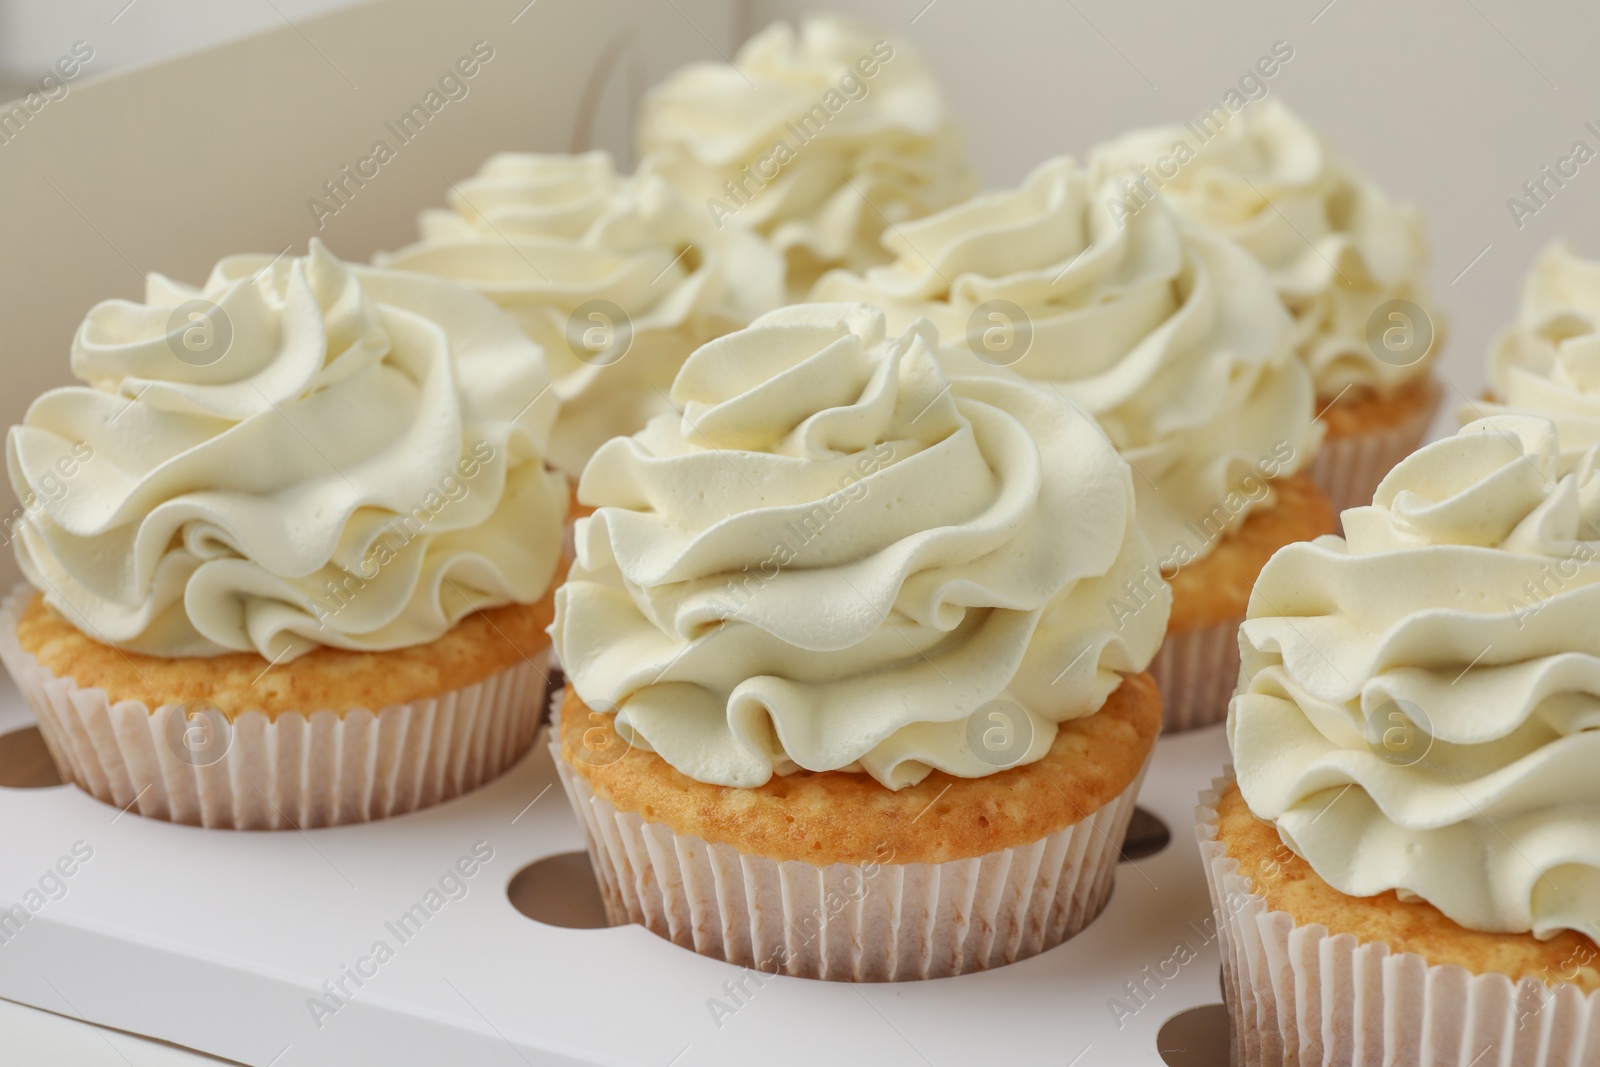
[222,942]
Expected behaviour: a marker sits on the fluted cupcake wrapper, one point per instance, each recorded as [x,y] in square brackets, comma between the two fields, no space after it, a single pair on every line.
[1297,994]
[878,922]
[290,770]
[1197,672]
[1348,469]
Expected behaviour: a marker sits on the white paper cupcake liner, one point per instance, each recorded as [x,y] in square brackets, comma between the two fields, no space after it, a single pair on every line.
[845,922]
[1298,995]
[293,770]
[1348,469]
[1197,672]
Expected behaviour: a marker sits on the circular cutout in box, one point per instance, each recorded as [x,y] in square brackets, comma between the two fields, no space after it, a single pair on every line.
[1146,836]
[559,890]
[25,761]
[1195,1038]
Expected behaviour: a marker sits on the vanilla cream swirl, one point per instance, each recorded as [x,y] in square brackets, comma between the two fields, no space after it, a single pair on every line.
[299,453]
[564,243]
[818,138]
[1336,247]
[1419,706]
[836,556]
[1548,361]
[1173,339]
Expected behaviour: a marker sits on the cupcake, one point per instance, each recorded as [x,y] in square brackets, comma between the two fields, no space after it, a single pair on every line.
[848,698]
[818,138]
[1547,362]
[1407,869]
[1175,342]
[293,543]
[1346,260]
[616,277]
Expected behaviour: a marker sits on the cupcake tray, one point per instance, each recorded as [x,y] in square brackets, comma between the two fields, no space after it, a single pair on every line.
[264,948]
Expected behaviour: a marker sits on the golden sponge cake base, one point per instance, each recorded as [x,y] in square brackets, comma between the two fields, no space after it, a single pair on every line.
[325,679]
[1288,884]
[836,817]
